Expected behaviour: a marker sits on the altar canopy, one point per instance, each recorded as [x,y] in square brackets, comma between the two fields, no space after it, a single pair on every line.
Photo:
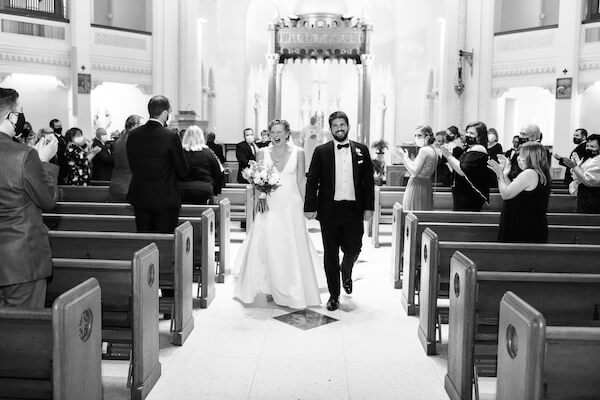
[321,36]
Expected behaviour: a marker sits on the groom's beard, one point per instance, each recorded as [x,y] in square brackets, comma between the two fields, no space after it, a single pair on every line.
[340,139]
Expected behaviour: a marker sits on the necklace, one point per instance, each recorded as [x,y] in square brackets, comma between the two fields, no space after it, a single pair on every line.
[276,157]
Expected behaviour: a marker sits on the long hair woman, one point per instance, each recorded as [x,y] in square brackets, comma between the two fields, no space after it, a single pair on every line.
[526,197]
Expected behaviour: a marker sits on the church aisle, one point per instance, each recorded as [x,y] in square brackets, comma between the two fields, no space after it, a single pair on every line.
[371,352]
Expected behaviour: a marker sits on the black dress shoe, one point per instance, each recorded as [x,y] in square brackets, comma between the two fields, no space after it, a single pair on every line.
[333,304]
[348,286]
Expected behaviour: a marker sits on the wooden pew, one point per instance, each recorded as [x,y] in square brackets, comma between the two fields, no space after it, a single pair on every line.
[537,361]
[488,217]
[174,272]
[53,353]
[385,200]
[435,269]
[565,293]
[448,189]
[242,200]
[129,306]
[202,241]
[472,232]
[222,222]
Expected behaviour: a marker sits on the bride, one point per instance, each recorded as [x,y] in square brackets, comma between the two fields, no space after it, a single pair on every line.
[277,257]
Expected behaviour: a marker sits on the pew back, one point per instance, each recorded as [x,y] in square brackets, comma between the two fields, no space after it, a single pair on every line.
[53,353]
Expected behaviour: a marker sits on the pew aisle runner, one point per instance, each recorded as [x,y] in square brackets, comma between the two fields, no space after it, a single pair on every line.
[236,352]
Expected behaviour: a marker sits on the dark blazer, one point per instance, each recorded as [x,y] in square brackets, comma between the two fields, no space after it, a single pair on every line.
[218,150]
[204,167]
[244,155]
[580,151]
[59,159]
[157,163]
[27,186]
[121,175]
[103,163]
[320,183]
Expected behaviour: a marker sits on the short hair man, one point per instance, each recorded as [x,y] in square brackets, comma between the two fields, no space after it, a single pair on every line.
[580,137]
[103,163]
[216,148]
[245,151]
[157,164]
[27,186]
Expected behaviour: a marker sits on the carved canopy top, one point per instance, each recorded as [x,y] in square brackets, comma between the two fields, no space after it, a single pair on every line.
[320,36]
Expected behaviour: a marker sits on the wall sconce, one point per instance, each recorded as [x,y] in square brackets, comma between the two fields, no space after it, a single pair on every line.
[459,86]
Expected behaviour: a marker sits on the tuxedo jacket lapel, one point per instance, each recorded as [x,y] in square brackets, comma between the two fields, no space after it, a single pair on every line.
[332,165]
[354,167]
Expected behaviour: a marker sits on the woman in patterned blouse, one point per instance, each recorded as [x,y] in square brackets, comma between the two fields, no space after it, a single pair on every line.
[78,159]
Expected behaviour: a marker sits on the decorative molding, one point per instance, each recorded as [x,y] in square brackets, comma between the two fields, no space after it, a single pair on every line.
[498,92]
[31,29]
[34,59]
[522,70]
[129,42]
[145,89]
[126,68]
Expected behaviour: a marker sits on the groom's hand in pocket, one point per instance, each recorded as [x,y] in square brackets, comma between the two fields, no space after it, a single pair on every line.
[310,215]
[368,214]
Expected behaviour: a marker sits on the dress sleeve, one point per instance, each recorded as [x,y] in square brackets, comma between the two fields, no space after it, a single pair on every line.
[591,173]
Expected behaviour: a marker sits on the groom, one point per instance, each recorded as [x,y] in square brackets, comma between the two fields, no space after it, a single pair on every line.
[340,194]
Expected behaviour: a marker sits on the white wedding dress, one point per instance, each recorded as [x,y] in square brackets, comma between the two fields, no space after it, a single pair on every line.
[277,256]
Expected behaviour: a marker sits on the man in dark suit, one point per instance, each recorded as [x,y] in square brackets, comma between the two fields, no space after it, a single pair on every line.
[340,194]
[157,163]
[245,152]
[216,148]
[103,163]
[59,158]
[27,185]
[579,139]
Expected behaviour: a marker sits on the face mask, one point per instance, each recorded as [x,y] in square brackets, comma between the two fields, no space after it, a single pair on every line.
[105,138]
[591,153]
[58,131]
[577,140]
[19,125]
[79,140]
[523,140]
[249,139]
[449,138]
[420,142]
[470,140]
[491,139]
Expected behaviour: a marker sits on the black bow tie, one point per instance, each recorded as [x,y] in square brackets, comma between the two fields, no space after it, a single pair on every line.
[341,146]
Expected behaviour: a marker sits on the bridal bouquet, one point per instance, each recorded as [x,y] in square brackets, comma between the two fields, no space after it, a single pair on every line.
[265,179]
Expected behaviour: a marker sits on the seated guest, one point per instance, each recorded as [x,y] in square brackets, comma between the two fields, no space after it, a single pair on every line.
[121,174]
[103,163]
[78,159]
[204,178]
[471,177]
[494,148]
[586,177]
[216,148]
[523,218]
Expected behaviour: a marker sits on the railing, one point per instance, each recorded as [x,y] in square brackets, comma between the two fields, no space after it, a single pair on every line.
[48,9]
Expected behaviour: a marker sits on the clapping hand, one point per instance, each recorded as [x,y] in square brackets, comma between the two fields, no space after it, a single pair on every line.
[576,160]
[47,148]
[496,167]
[401,153]
[445,152]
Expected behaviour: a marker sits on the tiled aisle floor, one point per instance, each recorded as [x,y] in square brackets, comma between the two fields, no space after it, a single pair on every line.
[242,352]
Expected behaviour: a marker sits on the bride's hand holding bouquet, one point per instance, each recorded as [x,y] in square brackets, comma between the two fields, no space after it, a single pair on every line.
[265,180]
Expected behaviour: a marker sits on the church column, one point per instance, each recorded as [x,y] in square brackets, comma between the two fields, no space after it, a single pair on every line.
[81,66]
[359,114]
[567,66]
[364,135]
[278,84]
[272,63]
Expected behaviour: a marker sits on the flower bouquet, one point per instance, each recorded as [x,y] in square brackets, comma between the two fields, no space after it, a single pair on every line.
[265,179]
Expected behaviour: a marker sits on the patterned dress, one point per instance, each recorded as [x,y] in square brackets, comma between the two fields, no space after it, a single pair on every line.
[78,166]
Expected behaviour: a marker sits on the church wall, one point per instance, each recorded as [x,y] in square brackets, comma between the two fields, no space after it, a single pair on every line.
[130,14]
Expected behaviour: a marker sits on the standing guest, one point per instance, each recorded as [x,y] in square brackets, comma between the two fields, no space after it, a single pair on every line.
[216,148]
[245,152]
[493,148]
[78,158]
[59,159]
[453,141]
[523,218]
[512,152]
[471,178]
[204,179]
[528,133]
[579,139]
[586,177]
[443,172]
[121,174]
[157,163]
[103,163]
[265,139]
[340,194]
[27,186]
[419,193]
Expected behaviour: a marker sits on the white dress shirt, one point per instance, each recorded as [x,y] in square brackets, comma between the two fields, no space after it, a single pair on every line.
[344,175]
[591,175]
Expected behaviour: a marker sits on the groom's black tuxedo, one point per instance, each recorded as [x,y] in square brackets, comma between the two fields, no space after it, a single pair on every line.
[341,221]
[320,183]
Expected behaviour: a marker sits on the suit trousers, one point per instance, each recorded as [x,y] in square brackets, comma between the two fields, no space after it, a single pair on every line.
[162,220]
[341,229]
[28,294]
